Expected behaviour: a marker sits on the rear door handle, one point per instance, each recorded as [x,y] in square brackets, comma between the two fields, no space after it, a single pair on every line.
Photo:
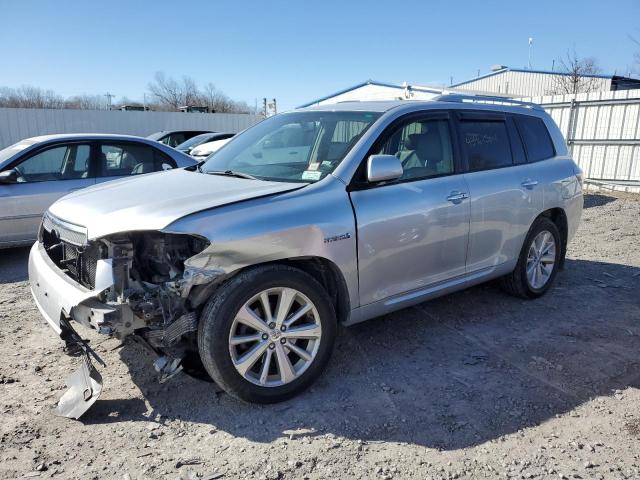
[529,184]
[457,197]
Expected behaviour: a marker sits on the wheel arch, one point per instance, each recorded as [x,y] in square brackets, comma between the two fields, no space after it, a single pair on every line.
[323,270]
[558,216]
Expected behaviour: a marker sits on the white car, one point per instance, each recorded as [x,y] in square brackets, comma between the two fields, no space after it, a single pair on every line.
[203,151]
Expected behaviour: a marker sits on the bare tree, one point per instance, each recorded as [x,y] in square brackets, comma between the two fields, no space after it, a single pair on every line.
[212,98]
[167,91]
[172,94]
[168,94]
[578,74]
[29,97]
[86,102]
[190,93]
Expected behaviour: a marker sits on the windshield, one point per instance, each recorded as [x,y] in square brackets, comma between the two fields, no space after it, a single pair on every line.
[157,135]
[11,150]
[293,147]
[193,141]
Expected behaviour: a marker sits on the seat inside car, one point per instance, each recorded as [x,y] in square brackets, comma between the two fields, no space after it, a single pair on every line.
[422,150]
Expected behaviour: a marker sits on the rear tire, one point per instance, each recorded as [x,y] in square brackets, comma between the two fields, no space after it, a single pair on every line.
[252,345]
[538,262]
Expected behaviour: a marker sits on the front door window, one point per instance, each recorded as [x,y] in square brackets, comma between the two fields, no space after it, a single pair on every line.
[66,162]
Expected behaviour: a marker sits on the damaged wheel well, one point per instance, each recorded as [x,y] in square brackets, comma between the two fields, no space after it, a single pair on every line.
[557,216]
[322,270]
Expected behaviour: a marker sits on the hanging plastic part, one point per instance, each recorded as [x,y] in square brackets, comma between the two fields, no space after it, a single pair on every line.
[85,384]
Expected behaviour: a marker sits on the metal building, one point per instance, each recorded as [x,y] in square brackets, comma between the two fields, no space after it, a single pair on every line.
[517,82]
[372,90]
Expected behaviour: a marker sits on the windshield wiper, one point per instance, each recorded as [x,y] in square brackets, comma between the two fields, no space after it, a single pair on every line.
[231,173]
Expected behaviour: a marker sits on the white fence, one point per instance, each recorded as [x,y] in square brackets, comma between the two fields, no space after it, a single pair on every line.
[603,134]
[19,123]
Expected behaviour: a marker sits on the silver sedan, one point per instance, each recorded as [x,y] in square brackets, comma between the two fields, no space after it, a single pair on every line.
[36,171]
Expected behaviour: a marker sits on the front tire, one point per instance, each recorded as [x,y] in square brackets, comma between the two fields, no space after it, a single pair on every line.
[538,261]
[267,333]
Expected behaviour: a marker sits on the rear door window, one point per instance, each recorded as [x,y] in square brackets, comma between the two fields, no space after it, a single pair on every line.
[535,135]
[125,159]
[485,144]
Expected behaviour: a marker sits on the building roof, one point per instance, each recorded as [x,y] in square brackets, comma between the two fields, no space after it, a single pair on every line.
[371,82]
[525,70]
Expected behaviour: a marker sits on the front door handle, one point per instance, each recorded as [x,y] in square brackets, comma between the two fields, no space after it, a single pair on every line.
[529,184]
[457,197]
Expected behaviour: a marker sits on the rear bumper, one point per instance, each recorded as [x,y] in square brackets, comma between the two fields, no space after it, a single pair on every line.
[54,293]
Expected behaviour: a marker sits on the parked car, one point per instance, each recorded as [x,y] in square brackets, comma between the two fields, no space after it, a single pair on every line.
[254,259]
[193,142]
[37,171]
[173,138]
[203,151]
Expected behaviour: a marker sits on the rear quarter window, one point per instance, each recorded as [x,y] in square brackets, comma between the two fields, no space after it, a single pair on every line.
[162,161]
[536,138]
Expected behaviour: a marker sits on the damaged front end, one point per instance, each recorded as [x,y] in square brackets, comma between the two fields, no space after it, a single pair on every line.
[136,285]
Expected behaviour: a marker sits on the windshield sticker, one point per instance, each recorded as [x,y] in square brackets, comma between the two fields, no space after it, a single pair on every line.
[313,166]
[311,175]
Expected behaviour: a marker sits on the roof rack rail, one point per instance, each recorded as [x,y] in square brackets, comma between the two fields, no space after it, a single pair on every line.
[485,99]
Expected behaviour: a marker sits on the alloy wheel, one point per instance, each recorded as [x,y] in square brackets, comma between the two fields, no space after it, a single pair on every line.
[541,259]
[275,337]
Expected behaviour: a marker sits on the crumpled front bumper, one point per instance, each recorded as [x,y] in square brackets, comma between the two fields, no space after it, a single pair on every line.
[55,293]
[60,298]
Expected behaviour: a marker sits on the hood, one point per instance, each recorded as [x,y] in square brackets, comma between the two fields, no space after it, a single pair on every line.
[153,201]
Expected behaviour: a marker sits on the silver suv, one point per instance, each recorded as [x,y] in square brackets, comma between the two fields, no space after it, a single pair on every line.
[311,219]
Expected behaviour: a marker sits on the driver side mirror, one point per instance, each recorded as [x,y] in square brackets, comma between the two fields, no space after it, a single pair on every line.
[9,176]
[382,168]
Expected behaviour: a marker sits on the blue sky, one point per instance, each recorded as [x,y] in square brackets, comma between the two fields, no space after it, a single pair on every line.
[297,50]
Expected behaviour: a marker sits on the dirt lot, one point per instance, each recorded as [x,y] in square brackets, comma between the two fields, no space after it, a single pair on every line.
[474,385]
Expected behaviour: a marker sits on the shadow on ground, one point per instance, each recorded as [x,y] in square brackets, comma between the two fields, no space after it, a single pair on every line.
[451,373]
[14,264]
[597,200]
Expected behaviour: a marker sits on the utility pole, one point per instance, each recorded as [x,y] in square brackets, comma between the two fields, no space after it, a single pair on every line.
[109,97]
[530,47]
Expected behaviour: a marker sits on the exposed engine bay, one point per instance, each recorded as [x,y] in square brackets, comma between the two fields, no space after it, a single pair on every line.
[151,295]
[148,273]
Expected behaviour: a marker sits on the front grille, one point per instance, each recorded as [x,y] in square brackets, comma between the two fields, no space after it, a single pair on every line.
[69,250]
[68,232]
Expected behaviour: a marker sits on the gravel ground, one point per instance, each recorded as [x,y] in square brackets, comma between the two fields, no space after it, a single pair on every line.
[473,385]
